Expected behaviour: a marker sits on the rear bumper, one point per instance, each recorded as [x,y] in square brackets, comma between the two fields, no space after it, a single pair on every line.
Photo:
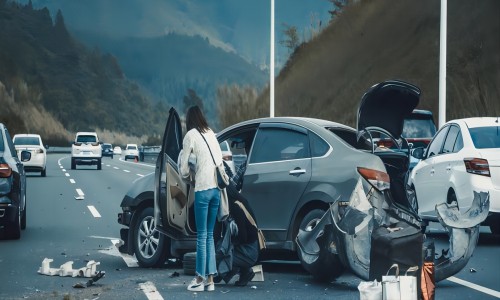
[87,160]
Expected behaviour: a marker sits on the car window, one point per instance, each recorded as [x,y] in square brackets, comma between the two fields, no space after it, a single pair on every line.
[27,140]
[2,145]
[418,128]
[86,139]
[278,144]
[451,137]
[459,144]
[131,147]
[485,137]
[318,146]
[224,146]
[437,142]
[10,145]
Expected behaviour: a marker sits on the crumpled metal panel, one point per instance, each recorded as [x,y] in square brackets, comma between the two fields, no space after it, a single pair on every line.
[463,230]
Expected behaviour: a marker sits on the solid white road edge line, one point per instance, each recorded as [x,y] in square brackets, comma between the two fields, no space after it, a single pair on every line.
[475,286]
[150,291]
[140,175]
[71,180]
[94,211]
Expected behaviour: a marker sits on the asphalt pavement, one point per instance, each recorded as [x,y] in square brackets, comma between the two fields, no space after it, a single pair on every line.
[71,217]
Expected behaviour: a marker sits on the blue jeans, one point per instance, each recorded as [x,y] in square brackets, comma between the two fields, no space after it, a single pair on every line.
[206,206]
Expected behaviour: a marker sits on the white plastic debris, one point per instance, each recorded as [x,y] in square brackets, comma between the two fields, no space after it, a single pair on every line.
[66,269]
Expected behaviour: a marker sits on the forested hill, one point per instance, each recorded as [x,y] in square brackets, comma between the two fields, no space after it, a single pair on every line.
[371,41]
[53,85]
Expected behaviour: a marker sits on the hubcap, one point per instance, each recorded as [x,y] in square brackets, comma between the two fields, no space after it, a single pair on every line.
[148,237]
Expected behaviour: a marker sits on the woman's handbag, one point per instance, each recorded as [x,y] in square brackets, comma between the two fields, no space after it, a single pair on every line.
[220,172]
[394,286]
[260,234]
[370,290]
[223,211]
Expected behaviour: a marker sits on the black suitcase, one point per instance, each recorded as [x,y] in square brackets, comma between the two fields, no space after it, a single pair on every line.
[401,244]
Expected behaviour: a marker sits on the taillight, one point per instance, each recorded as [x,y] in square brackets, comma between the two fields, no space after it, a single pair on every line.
[477,166]
[95,144]
[379,180]
[227,157]
[39,151]
[385,143]
[5,170]
[78,144]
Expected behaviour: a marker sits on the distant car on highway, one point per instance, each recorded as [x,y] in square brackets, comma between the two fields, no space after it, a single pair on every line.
[131,152]
[86,150]
[149,151]
[12,187]
[32,143]
[117,150]
[463,157]
[107,150]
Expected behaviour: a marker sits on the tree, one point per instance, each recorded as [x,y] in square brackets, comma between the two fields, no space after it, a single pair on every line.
[291,40]
[338,5]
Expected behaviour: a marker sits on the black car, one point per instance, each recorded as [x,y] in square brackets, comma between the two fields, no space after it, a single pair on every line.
[107,150]
[12,187]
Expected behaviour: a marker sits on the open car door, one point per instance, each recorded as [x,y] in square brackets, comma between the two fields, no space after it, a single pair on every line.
[171,192]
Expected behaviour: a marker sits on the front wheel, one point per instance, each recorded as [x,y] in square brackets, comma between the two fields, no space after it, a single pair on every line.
[151,247]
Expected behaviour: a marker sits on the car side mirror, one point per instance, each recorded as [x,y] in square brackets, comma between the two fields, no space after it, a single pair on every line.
[25,156]
[418,152]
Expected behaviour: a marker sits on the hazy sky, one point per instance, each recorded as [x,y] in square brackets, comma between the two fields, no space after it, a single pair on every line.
[239,25]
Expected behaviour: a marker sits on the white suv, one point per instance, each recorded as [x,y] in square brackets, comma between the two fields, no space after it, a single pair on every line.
[86,150]
[131,151]
[32,143]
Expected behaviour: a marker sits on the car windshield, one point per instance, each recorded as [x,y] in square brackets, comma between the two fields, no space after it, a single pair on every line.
[26,140]
[2,148]
[418,128]
[86,139]
[104,146]
[485,137]
[131,148]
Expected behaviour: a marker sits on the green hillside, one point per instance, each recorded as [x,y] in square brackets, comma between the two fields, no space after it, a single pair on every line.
[46,74]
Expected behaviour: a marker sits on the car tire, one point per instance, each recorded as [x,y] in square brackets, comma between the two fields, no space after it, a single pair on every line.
[73,164]
[328,266]
[150,246]
[23,215]
[13,230]
[99,164]
[189,263]
[44,172]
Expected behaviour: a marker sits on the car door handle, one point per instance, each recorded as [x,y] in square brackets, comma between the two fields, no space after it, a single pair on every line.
[297,172]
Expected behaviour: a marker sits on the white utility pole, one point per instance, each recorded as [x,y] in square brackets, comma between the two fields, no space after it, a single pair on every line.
[442,64]
[271,60]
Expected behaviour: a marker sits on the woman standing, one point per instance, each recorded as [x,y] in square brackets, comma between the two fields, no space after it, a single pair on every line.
[207,195]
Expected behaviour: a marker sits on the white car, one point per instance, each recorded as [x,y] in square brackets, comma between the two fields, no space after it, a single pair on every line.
[86,150]
[464,156]
[131,151]
[117,150]
[32,143]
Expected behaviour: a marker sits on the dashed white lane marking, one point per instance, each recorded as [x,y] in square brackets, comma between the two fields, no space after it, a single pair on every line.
[94,211]
[150,291]
[116,168]
[475,286]
[71,180]
[107,165]
[127,171]
[64,170]
[67,174]
[140,175]
[80,193]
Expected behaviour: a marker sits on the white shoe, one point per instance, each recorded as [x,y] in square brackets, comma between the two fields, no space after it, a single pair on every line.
[196,286]
[210,287]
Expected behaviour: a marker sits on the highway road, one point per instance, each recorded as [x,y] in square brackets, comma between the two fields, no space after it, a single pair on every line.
[72,216]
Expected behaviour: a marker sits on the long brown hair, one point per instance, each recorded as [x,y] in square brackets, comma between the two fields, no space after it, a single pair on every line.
[196,119]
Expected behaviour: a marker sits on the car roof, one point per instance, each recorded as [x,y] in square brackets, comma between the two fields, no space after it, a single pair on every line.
[478,121]
[26,135]
[292,120]
[421,112]
[86,133]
